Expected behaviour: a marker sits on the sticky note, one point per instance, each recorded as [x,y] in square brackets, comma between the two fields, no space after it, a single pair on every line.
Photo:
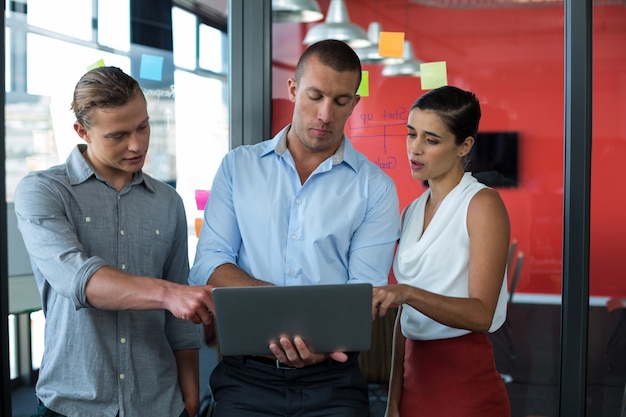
[198,224]
[201,198]
[391,44]
[434,75]
[364,87]
[99,63]
[151,67]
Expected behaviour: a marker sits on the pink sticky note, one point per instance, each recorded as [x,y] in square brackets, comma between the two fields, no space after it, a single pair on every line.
[201,198]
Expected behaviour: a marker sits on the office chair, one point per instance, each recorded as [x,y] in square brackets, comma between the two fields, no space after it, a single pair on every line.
[512,248]
[515,276]
[506,330]
[616,307]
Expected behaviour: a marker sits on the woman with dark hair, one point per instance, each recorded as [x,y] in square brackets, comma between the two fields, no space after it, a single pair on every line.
[450,266]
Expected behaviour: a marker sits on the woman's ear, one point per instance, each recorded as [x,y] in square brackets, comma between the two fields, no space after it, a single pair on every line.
[466,146]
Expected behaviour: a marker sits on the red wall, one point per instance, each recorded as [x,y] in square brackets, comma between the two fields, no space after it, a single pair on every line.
[513,59]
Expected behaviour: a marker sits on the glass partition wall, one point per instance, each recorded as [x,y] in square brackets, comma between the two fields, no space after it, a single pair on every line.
[512,54]
[606,368]
[178,51]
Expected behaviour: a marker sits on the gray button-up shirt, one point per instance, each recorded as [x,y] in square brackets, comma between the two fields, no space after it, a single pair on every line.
[98,362]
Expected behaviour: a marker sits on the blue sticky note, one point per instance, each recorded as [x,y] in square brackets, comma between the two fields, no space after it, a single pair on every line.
[151,67]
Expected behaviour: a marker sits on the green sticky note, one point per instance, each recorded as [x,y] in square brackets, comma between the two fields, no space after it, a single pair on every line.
[364,87]
[99,63]
[434,75]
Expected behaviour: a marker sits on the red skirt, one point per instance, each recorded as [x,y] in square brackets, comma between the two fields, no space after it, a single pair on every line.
[452,377]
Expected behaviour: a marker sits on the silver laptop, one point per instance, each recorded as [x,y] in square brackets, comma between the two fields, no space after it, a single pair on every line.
[329,318]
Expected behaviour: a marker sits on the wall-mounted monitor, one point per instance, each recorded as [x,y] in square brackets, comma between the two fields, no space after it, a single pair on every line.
[493,159]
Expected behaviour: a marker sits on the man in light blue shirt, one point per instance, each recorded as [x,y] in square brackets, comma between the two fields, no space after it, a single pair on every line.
[302,208]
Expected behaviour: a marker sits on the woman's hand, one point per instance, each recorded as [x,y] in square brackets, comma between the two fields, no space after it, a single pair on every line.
[388,296]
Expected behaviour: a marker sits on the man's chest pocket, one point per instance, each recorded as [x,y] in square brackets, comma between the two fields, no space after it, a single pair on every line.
[155,249]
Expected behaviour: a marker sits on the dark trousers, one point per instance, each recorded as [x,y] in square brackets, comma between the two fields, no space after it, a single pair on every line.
[43,411]
[245,386]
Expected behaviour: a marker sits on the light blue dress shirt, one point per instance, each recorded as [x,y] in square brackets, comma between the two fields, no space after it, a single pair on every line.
[97,362]
[340,226]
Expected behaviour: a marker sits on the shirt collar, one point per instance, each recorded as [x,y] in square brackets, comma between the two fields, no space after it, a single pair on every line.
[345,153]
[79,170]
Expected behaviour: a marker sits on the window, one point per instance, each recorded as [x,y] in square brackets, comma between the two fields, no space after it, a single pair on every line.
[44,59]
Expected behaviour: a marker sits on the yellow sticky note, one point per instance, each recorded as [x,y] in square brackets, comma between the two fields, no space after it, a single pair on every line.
[434,75]
[99,63]
[364,87]
[391,44]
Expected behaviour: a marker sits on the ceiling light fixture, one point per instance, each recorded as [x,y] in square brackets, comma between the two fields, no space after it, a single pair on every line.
[369,54]
[296,11]
[337,26]
[409,67]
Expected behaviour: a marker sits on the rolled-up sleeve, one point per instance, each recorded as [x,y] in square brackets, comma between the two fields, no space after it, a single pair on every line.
[50,237]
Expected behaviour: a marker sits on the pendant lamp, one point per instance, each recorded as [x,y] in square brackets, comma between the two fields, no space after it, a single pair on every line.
[410,66]
[369,54]
[296,11]
[337,26]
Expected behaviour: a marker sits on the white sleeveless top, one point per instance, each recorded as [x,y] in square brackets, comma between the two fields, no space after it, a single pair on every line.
[438,259]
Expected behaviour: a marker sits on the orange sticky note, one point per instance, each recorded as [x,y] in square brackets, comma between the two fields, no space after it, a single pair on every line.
[201,198]
[391,44]
[198,224]
[434,75]
[364,87]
